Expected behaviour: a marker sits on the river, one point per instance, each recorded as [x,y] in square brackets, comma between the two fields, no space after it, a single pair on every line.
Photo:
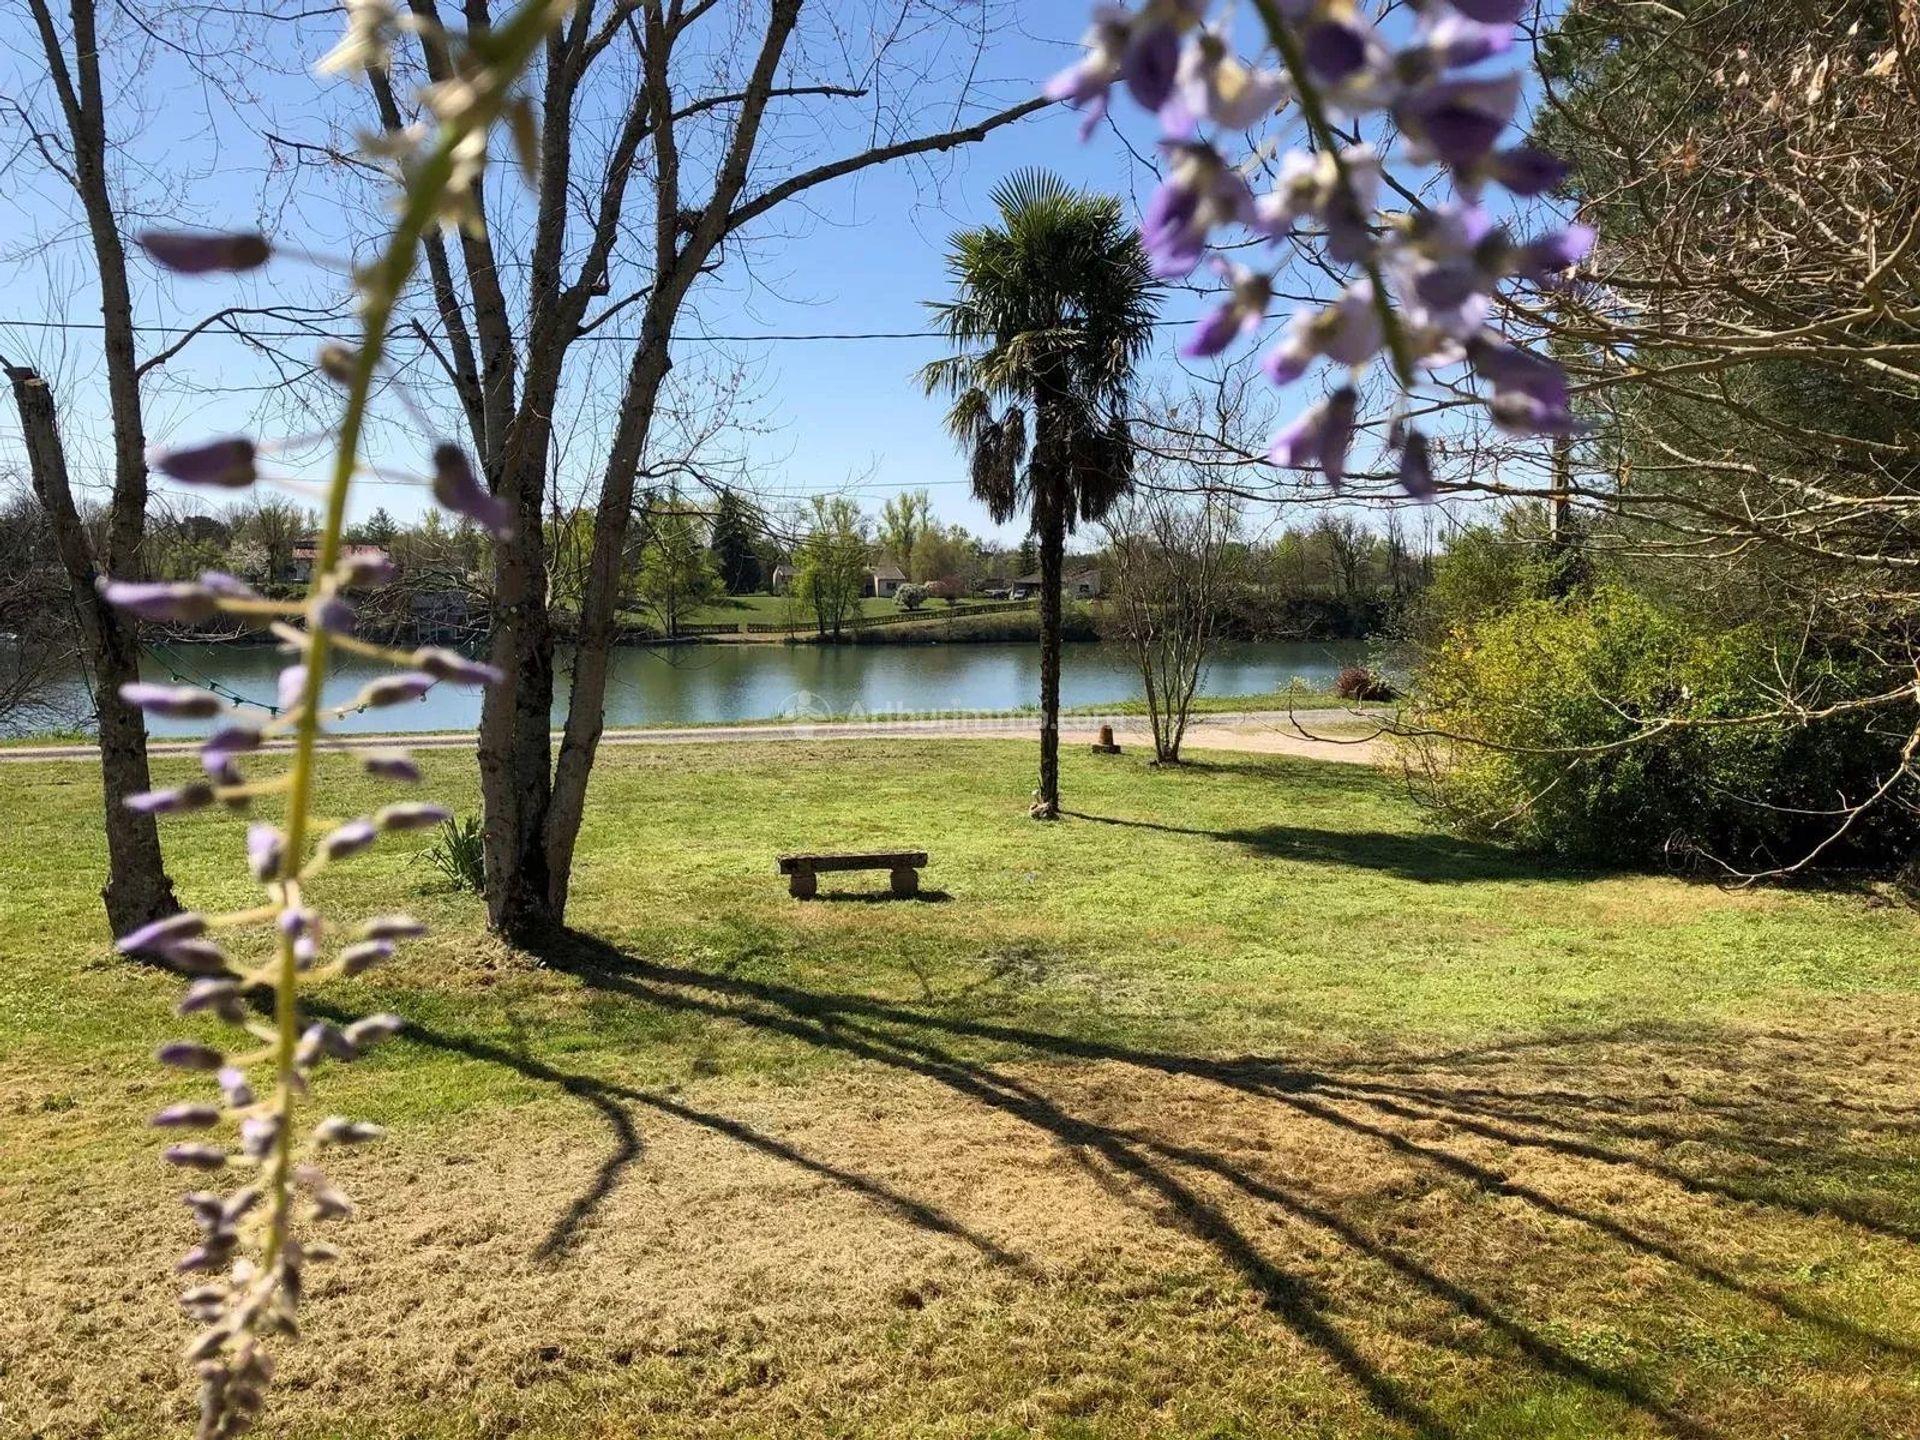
[708,684]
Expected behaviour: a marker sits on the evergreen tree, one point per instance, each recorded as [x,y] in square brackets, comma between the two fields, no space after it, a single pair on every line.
[736,554]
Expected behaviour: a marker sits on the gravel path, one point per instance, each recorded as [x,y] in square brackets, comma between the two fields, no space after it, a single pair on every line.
[1346,735]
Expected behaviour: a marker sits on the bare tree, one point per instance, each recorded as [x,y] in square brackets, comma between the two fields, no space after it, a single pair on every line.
[708,135]
[1171,564]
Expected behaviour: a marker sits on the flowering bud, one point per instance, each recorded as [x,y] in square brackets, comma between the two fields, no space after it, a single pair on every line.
[298,921]
[451,665]
[335,615]
[183,702]
[318,1040]
[181,603]
[372,1029]
[258,1133]
[240,1202]
[196,957]
[350,839]
[266,851]
[457,487]
[227,586]
[235,737]
[227,464]
[392,927]
[195,795]
[195,1157]
[208,1343]
[411,816]
[211,1253]
[191,252]
[187,1117]
[152,939]
[396,689]
[328,1203]
[364,572]
[391,765]
[292,686]
[219,995]
[358,958]
[189,1055]
[223,772]
[233,1084]
[338,1130]
[336,362]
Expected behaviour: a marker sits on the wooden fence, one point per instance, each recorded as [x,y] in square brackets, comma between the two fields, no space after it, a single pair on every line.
[903,617]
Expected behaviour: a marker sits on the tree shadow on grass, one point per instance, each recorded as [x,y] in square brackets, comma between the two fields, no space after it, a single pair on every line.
[1432,858]
[1392,1104]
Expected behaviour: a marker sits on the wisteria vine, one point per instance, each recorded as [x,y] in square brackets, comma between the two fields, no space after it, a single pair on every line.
[1419,282]
[253,1249]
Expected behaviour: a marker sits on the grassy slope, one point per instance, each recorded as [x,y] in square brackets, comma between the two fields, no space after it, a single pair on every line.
[1541,1154]
[779,610]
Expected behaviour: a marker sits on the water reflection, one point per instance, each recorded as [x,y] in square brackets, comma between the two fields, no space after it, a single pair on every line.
[705,684]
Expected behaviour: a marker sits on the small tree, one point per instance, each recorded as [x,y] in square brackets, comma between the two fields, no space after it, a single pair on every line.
[911,596]
[830,572]
[905,521]
[677,572]
[1171,563]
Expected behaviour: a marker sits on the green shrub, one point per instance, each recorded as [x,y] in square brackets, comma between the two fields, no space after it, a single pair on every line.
[1565,684]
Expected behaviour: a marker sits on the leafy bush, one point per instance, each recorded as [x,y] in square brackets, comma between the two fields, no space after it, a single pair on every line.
[458,854]
[1565,684]
[910,596]
[1357,682]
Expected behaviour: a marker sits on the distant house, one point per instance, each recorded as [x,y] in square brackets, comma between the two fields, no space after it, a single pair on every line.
[882,580]
[441,616]
[1075,585]
[306,550]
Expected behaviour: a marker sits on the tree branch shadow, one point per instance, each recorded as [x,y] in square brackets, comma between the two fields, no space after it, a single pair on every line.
[910,1041]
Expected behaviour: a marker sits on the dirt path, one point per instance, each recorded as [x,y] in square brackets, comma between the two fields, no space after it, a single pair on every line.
[1343,735]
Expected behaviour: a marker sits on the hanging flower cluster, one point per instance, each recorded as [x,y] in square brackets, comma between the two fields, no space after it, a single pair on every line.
[255,1240]
[1419,283]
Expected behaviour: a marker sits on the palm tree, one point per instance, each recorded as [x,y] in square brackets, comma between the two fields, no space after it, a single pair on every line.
[1052,309]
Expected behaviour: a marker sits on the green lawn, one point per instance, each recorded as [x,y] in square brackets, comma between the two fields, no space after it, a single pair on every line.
[1239,1103]
[779,610]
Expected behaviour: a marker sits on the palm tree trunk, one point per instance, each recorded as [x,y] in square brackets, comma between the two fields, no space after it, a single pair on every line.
[1051,523]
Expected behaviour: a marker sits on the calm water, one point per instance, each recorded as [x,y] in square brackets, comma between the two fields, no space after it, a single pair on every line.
[703,684]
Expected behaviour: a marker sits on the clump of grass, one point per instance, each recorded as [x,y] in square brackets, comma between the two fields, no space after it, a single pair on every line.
[458,853]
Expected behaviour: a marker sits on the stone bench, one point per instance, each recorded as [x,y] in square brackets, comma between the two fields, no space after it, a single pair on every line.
[803,871]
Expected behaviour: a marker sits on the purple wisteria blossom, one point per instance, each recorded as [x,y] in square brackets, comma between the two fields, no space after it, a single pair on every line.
[228,464]
[199,252]
[1419,284]
[458,487]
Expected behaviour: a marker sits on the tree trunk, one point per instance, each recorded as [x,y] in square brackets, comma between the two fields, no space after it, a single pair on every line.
[137,889]
[593,661]
[516,715]
[1050,522]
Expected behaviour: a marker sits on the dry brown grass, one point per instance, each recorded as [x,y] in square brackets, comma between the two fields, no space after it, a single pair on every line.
[1652,1232]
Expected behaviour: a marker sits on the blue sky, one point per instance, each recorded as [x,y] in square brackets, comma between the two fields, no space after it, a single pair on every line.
[861,255]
